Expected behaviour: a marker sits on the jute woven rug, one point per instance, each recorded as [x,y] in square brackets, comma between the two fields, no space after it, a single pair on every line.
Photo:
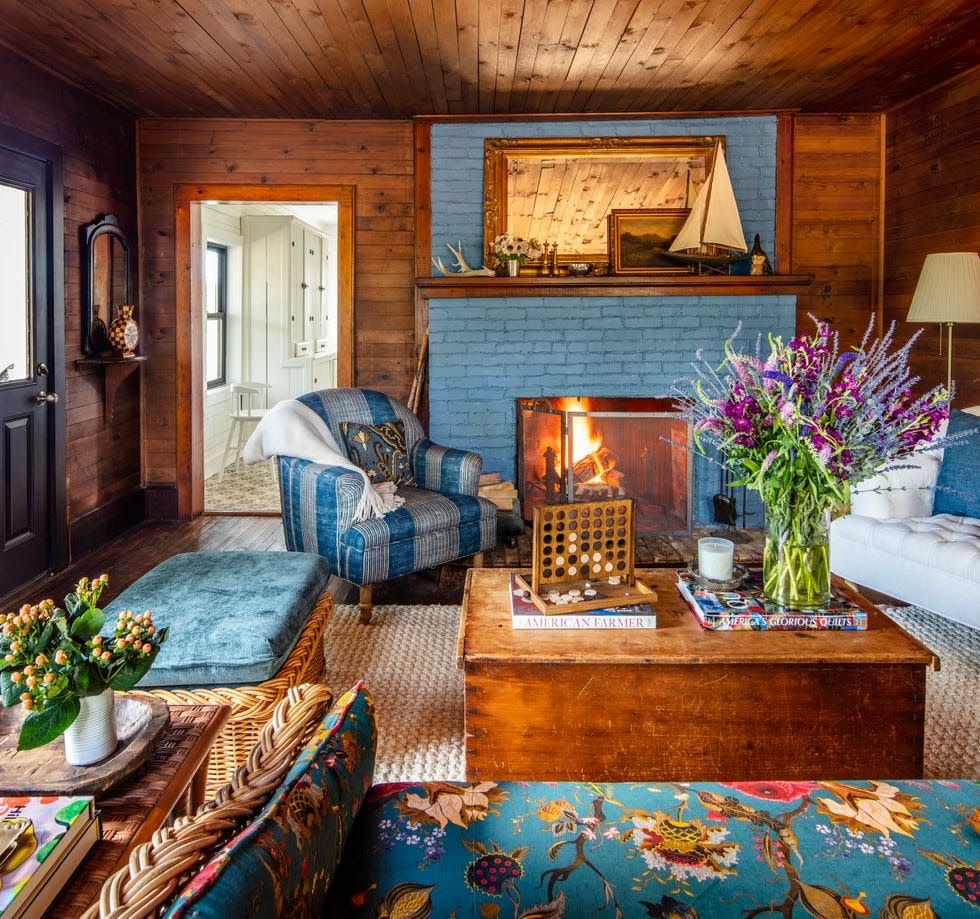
[407,657]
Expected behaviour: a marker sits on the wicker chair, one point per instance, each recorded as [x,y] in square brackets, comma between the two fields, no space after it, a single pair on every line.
[157,868]
[253,706]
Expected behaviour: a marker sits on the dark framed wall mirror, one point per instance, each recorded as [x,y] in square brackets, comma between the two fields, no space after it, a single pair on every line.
[106,282]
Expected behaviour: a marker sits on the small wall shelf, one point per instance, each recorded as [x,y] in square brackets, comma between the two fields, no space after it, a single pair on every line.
[607,286]
[116,370]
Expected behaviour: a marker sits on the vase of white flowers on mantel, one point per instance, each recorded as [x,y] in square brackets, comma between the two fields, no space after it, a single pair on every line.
[513,251]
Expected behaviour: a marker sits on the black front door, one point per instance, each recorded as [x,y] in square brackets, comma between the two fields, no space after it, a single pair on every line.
[31,364]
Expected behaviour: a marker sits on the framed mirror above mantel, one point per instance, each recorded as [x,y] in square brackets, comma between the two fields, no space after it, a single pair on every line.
[562,190]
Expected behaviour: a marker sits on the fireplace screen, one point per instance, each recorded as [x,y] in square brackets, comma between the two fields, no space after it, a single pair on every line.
[585,449]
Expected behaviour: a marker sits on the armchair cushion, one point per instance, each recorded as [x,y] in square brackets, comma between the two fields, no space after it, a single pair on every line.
[446,470]
[379,449]
[429,529]
[283,861]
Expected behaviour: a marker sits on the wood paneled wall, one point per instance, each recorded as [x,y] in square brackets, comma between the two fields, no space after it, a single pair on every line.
[837,199]
[376,157]
[103,460]
[932,204]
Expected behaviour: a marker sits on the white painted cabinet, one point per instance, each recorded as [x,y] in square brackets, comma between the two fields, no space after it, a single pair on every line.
[286,275]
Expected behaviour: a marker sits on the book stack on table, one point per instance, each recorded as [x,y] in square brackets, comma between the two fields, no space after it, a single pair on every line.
[525,615]
[746,609]
[42,843]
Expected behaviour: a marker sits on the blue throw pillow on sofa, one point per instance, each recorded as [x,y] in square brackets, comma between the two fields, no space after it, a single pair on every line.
[958,488]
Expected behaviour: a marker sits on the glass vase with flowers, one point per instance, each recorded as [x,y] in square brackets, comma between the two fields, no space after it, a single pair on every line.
[802,427]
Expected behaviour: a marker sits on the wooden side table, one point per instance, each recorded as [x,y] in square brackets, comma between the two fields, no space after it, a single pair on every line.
[171,784]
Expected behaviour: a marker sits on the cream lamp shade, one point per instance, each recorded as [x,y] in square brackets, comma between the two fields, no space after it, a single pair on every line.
[948,289]
[948,292]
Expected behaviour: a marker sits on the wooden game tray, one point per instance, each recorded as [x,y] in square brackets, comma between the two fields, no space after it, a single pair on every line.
[609,595]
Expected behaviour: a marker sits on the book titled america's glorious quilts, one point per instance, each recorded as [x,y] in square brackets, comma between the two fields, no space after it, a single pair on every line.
[745,609]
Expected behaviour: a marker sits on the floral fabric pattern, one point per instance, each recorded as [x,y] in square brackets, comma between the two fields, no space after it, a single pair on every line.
[525,850]
[282,863]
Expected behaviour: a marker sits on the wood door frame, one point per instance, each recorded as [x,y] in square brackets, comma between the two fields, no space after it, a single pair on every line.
[189,360]
[51,154]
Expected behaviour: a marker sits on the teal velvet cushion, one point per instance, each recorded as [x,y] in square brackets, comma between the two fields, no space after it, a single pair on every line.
[699,850]
[379,449]
[282,862]
[233,616]
[958,488]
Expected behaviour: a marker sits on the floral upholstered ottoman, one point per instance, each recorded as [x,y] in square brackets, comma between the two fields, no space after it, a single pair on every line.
[833,850]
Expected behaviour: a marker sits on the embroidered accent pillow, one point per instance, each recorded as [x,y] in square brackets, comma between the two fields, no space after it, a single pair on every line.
[379,449]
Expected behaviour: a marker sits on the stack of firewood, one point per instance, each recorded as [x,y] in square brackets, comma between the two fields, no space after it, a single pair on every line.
[503,494]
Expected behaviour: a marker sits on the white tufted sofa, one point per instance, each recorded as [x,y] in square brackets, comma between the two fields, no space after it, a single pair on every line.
[892,543]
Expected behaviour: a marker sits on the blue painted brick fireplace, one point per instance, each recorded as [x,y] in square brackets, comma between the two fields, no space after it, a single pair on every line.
[485,353]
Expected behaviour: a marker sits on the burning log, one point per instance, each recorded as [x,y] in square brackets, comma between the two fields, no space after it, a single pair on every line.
[594,466]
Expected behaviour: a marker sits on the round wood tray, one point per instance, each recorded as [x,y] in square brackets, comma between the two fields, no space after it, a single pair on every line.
[139,722]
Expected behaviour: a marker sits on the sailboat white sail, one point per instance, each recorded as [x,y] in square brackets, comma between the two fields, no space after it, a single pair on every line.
[714,218]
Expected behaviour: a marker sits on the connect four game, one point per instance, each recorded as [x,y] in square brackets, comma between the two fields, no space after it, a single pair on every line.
[583,557]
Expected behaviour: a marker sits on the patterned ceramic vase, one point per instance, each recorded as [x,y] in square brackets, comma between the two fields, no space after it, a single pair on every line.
[91,737]
[124,333]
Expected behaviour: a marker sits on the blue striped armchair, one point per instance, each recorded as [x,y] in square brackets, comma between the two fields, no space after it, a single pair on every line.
[441,520]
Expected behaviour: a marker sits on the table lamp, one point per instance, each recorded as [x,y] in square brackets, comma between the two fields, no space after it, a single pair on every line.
[948,292]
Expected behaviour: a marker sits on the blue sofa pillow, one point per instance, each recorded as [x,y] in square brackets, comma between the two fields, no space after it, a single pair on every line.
[958,487]
[234,617]
[282,863]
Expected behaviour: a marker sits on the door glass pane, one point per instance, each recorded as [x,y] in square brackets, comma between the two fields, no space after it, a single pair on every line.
[15,270]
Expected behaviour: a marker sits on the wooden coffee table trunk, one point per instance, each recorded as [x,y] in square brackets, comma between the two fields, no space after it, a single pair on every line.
[679,703]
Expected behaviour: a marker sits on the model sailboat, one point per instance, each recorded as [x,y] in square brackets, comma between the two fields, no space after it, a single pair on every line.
[711,237]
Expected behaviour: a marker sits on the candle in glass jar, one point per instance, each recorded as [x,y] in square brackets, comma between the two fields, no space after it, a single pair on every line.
[715,558]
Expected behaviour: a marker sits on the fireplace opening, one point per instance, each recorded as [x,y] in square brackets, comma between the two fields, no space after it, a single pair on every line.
[588,448]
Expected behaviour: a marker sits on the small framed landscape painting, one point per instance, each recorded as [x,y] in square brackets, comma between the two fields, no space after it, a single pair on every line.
[638,240]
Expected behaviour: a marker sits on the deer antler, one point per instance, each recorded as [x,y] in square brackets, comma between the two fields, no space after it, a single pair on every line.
[440,267]
[458,252]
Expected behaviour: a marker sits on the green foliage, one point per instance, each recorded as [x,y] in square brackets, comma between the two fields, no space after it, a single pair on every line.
[87,625]
[41,727]
[50,658]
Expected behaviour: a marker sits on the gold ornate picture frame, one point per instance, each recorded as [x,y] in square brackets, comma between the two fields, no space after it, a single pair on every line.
[579,181]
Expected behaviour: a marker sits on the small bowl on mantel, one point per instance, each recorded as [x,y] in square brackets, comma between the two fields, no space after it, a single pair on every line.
[581,269]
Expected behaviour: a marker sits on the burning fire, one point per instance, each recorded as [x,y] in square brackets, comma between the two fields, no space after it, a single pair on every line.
[585,439]
[588,453]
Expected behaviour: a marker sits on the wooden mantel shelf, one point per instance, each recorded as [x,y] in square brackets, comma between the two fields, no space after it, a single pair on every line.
[116,370]
[606,286]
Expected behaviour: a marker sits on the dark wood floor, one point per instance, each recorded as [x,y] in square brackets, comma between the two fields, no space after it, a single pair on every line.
[136,551]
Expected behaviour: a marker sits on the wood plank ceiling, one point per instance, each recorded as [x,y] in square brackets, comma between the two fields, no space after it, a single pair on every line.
[275,58]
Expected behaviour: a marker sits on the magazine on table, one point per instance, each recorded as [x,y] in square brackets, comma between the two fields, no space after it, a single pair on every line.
[746,609]
[42,843]
[525,615]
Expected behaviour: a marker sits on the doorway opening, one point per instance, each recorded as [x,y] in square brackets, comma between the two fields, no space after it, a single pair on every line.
[250,311]
[269,306]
